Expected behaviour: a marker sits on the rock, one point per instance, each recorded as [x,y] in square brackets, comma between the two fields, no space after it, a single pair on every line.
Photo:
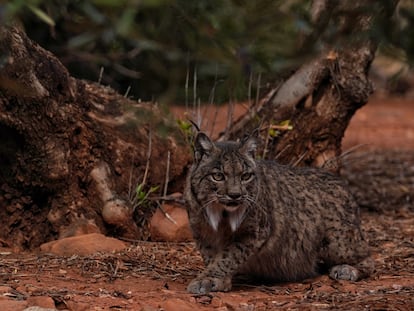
[83,245]
[4,289]
[148,308]
[12,305]
[77,306]
[41,301]
[79,227]
[216,302]
[235,302]
[175,304]
[36,308]
[164,229]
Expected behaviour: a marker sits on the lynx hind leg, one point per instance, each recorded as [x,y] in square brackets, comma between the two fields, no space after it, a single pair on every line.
[344,272]
[348,254]
[353,273]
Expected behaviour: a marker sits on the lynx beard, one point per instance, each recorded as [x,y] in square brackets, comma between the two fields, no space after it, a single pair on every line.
[234,213]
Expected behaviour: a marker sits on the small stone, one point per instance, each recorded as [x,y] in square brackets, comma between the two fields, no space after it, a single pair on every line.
[5,289]
[216,302]
[12,305]
[41,301]
[204,299]
[77,306]
[36,308]
[83,245]
[79,227]
[175,304]
[245,307]
[173,229]
[148,308]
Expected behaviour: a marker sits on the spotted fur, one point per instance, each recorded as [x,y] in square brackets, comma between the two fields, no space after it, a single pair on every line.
[266,220]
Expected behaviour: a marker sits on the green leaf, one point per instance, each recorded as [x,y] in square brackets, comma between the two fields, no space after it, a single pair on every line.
[184,125]
[126,21]
[138,189]
[41,15]
[142,195]
[81,40]
[273,133]
[286,123]
[153,189]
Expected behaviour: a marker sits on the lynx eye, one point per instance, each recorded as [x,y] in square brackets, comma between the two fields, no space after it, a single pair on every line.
[217,176]
[246,176]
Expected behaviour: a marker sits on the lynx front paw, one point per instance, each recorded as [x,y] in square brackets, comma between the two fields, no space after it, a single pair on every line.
[204,285]
[344,272]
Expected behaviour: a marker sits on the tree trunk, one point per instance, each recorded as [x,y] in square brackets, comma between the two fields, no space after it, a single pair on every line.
[304,119]
[72,150]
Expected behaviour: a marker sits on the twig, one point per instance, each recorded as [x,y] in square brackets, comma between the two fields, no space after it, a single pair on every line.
[213,124]
[187,79]
[300,159]
[259,79]
[199,117]
[149,150]
[130,198]
[127,91]
[167,174]
[230,114]
[100,75]
[133,197]
[211,101]
[282,151]
[114,275]
[279,127]
[195,89]
[168,216]
[249,89]
[168,198]
[167,177]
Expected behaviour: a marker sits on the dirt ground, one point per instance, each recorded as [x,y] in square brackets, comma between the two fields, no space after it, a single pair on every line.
[153,276]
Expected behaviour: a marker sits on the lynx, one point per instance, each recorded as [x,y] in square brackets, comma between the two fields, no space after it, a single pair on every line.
[268,221]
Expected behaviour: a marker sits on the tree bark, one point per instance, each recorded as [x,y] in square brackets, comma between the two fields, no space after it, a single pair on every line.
[319,99]
[73,150]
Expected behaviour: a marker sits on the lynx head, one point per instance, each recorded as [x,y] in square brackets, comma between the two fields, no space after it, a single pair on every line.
[223,179]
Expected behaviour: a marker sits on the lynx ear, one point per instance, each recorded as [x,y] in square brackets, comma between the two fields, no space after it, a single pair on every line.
[249,145]
[202,146]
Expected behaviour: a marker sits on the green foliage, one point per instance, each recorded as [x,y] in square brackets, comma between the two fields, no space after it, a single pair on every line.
[41,15]
[151,45]
[141,195]
[276,129]
[186,128]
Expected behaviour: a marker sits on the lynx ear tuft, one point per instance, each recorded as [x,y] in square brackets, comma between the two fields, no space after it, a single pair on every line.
[249,145]
[202,146]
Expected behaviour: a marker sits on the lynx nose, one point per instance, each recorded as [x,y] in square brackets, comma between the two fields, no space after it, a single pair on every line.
[234,196]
